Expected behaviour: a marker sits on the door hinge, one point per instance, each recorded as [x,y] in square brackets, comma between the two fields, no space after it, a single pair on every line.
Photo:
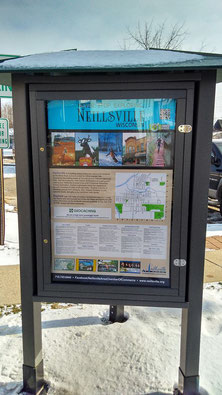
[179,262]
[185,128]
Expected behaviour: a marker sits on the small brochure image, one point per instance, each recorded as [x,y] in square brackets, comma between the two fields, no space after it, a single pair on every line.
[86,265]
[160,149]
[62,149]
[110,149]
[64,264]
[107,265]
[149,268]
[87,149]
[134,149]
[130,267]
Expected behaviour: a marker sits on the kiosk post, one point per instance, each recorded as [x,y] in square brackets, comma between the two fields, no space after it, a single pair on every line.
[31,311]
[191,316]
[116,313]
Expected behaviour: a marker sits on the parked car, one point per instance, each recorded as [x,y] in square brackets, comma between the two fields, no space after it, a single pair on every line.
[215,187]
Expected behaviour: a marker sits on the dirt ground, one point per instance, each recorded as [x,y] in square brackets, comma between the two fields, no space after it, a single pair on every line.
[10,191]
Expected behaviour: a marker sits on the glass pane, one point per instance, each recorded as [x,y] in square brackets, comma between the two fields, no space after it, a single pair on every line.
[111,171]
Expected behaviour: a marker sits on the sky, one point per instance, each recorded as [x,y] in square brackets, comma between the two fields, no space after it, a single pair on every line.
[35,26]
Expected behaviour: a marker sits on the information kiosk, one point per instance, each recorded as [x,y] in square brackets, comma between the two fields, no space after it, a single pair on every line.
[113,155]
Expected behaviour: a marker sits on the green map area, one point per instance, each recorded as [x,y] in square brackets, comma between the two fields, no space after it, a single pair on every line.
[140,195]
[157,214]
[119,207]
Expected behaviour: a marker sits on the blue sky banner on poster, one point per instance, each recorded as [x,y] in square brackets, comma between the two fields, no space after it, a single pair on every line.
[124,114]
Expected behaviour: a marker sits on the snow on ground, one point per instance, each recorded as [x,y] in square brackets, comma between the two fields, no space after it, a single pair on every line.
[9,253]
[84,355]
[214,230]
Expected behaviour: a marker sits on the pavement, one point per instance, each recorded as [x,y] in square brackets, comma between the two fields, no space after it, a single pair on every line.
[10,285]
[213,259]
[10,275]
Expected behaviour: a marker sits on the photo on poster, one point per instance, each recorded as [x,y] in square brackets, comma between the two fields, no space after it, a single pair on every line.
[62,148]
[86,265]
[134,149]
[105,265]
[160,147]
[151,268]
[64,264]
[110,149]
[87,149]
[130,267]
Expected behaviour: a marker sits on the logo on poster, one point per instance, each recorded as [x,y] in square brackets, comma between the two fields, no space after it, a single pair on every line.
[121,118]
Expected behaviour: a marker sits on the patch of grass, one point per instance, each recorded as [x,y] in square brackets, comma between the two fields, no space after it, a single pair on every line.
[16,309]
[10,309]
[56,306]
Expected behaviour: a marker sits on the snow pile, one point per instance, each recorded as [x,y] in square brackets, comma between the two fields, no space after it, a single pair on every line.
[9,253]
[84,355]
[214,230]
[73,59]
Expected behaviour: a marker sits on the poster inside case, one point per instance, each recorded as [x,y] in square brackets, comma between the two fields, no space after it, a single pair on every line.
[111,222]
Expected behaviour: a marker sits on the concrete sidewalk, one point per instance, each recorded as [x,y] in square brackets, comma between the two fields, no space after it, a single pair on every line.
[10,284]
[213,259]
[10,276]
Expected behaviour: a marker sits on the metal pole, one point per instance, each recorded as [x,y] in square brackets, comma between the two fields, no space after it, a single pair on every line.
[33,380]
[31,311]
[2,200]
[116,313]
[191,317]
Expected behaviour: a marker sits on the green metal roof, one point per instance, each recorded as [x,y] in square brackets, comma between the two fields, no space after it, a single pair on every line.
[5,78]
[6,56]
[94,61]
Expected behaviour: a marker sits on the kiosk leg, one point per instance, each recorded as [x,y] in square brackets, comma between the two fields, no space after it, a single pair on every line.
[33,382]
[190,350]
[116,313]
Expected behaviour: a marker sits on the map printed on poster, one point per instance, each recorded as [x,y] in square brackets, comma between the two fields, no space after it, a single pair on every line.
[140,195]
[114,224]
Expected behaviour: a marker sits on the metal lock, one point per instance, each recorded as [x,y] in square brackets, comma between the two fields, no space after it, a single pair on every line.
[179,262]
[185,128]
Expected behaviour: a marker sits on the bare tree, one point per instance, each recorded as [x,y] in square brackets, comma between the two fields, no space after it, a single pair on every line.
[8,113]
[151,35]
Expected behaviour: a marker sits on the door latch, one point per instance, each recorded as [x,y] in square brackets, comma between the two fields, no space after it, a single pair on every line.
[180,262]
[185,128]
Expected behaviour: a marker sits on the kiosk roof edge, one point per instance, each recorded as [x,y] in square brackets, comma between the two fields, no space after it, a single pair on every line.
[113,60]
